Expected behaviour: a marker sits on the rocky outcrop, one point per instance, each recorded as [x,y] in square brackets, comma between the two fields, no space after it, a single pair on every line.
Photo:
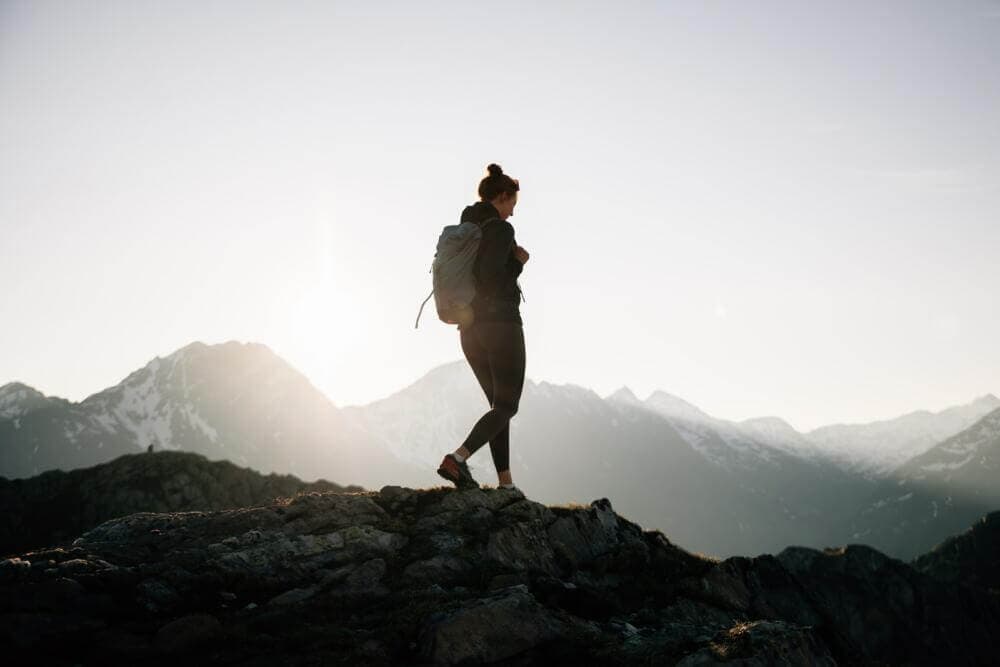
[441,576]
[55,507]
[970,558]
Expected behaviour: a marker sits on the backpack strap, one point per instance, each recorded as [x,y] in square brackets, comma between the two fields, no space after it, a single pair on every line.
[482,223]
[417,323]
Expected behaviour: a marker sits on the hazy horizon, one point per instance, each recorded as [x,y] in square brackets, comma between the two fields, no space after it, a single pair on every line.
[641,397]
[767,209]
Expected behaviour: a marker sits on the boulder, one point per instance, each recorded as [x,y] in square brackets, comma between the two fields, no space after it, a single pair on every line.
[489,629]
[187,633]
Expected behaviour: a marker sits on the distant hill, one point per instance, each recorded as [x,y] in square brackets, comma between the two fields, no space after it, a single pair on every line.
[56,507]
[235,401]
[969,558]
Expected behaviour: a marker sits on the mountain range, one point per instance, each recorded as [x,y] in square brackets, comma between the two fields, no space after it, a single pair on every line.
[719,486]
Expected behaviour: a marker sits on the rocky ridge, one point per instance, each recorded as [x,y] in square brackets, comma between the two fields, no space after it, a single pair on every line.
[440,576]
[55,507]
[968,558]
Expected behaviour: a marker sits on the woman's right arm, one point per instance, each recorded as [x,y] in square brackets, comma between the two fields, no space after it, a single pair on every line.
[494,262]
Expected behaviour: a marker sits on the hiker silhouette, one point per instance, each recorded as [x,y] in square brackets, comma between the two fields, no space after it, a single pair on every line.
[493,342]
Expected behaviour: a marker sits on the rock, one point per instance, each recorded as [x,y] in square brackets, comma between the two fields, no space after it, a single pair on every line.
[29,630]
[284,557]
[507,580]
[58,594]
[723,585]
[437,521]
[358,577]
[61,505]
[874,605]
[446,541]
[968,558]
[441,569]
[187,632]
[397,496]
[579,538]
[470,499]
[314,512]
[759,587]
[77,566]
[157,595]
[528,510]
[13,569]
[293,596]
[763,643]
[373,649]
[489,629]
[123,646]
[522,546]
[363,580]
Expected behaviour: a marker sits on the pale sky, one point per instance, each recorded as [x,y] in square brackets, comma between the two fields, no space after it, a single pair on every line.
[766,208]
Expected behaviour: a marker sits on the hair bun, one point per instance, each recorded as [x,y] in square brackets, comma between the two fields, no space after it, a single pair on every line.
[494,170]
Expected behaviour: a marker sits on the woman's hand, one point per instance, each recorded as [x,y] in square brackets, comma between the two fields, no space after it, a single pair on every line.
[521,254]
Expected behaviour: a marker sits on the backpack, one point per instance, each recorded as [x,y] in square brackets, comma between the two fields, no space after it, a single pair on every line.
[454,285]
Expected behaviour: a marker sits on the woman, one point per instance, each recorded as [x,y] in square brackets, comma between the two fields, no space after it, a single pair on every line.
[493,343]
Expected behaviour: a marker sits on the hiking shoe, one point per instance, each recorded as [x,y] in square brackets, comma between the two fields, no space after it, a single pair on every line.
[456,472]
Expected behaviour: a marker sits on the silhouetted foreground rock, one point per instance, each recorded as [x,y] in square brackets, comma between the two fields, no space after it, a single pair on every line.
[971,558]
[407,576]
[55,507]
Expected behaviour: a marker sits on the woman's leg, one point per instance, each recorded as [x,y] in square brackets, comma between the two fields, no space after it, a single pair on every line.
[504,345]
[479,361]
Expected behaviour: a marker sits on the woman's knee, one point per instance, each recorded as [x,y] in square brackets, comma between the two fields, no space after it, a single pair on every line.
[505,408]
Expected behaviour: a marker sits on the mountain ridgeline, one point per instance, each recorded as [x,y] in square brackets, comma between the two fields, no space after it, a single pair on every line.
[719,487]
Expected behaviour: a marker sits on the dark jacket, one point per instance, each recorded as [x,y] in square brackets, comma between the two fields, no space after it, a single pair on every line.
[498,295]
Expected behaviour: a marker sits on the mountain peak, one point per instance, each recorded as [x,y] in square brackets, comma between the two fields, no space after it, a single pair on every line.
[624,395]
[674,406]
[14,386]
[225,346]
[17,399]
[987,399]
[770,421]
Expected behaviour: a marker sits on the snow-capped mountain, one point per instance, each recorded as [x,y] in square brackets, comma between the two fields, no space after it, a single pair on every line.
[427,419]
[18,399]
[881,446]
[235,401]
[734,445]
[970,459]
[949,485]
[675,407]
[873,449]
[777,432]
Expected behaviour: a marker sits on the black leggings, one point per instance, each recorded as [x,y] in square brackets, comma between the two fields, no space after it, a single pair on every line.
[495,350]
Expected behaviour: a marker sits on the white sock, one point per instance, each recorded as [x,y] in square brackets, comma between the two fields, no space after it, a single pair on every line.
[458,457]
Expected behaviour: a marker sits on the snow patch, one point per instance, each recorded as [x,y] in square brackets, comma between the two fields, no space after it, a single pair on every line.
[199,423]
[947,465]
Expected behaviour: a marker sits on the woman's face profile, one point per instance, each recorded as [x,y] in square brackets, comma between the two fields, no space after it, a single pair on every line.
[505,204]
